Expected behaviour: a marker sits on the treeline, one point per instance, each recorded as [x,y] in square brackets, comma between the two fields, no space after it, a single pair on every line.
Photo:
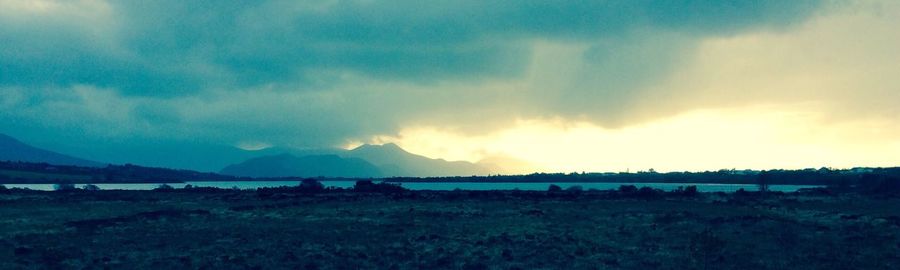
[823,176]
[38,173]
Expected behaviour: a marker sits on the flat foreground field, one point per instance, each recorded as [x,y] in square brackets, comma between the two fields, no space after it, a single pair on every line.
[444,230]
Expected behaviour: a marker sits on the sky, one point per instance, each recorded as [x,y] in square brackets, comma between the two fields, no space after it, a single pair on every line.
[552,86]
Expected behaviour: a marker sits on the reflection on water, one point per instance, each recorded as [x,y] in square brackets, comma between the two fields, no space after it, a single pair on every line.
[435,186]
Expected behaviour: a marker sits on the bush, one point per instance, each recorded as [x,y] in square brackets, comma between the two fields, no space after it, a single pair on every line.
[164,187]
[575,189]
[819,191]
[311,185]
[648,192]
[364,185]
[383,187]
[628,189]
[554,188]
[64,187]
[3,189]
[90,187]
[198,189]
[764,179]
[689,191]
[840,184]
[879,184]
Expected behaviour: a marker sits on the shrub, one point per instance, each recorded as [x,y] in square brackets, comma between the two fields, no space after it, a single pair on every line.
[164,187]
[575,189]
[383,187]
[627,189]
[197,189]
[90,187]
[763,180]
[840,184]
[311,185]
[879,184]
[820,191]
[554,188]
[364,185]
[64,187]
[3,189]
[648,192]
[690,191]
[390,187]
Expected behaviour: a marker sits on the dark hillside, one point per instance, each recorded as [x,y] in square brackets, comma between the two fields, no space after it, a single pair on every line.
[36,173]
[12,149]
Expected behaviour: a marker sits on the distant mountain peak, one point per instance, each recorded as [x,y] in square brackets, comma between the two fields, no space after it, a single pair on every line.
[368,160]
[385,147]
[395,161]
[390,145]
[11,149]
[288,165]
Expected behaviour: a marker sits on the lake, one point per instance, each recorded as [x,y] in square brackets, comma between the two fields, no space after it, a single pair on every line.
[438,185]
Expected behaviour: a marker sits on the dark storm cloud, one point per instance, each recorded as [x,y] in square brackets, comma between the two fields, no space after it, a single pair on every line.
[166,48]
[314,73]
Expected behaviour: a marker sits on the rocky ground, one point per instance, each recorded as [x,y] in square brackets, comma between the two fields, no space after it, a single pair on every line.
[290,229]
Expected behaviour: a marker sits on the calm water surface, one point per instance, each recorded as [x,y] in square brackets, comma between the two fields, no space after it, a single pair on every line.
[436,186]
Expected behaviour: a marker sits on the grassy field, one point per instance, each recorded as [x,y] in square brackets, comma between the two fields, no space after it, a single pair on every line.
[444,230]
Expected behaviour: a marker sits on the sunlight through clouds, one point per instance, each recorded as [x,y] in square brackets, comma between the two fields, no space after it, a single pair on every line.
[821,94]
[747,138]
[577,86]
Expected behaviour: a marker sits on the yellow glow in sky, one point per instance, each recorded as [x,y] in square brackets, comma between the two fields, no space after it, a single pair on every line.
[755,138]
[823,93]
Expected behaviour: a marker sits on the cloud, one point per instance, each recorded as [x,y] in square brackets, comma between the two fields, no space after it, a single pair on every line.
[166,48]
[322,73]
[756,137]
[843,61]
[822,93]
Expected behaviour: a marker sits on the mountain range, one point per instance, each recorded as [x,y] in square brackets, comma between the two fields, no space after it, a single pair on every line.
[387,160]
[12,149]
[287,165]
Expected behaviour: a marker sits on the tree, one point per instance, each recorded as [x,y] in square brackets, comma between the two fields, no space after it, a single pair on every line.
[383,187]
[164,187]
[689,191]
[763,180]
[311,185]
[554,188]
[871,183]
[628,189]
[64,187]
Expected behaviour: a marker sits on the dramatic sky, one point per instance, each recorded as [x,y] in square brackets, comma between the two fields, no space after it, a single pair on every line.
[531,85]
